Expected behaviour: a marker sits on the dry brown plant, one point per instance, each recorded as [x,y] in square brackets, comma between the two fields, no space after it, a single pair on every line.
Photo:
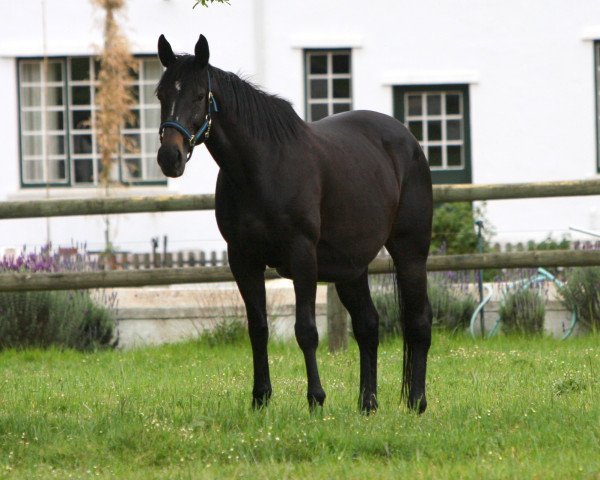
[115,98]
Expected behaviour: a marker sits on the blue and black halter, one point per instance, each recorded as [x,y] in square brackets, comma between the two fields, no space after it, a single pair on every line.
[203,133]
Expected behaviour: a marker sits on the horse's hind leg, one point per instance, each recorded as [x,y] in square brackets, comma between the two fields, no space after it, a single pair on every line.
[416,318]
[355,296]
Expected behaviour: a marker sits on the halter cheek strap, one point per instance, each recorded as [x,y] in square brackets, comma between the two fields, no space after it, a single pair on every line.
[203,132]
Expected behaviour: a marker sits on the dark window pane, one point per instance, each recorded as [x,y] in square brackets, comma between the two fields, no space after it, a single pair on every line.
[152,69]
[54,96]
[435,156]
[454,155]
[31,121]
[415,105]
[31,72]
[318,111]
[133,168]
[82,119]
[132,143]
[82,144]
[56,170]
[135,92]
[96,67]
[434,104]
[318,89]
[80,96]
[31,96]
[33,171]
[341,107]
[84,170]
[134,121]
[152,118]
[151,143]
[452,103]
[318,63]
[434,131]
[33,145]
[416,129]
[56,145]
[341,88]
[341,63]
[55,120]
[453,130]
[80,69]
[54,72]
[134,72]
[149,94]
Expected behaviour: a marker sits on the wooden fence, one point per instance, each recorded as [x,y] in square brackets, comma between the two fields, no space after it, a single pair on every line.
[176,203]
[165,276]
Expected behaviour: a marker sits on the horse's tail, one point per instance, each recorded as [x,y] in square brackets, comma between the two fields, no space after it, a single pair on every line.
[406,349]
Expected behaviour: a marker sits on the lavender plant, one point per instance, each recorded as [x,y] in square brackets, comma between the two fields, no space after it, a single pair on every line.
[451,302]
[581,294]
[522,310]
[65,319]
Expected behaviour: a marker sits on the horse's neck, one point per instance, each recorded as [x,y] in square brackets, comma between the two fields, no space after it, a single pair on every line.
[236,153]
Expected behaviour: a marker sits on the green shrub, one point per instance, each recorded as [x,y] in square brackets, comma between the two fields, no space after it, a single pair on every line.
[453,229]
[62,319]
[522,311]
[386,303]
[452,306]
[581,294]
[228,331]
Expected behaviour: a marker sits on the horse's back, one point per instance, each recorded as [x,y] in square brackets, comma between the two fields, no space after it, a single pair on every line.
[365,158]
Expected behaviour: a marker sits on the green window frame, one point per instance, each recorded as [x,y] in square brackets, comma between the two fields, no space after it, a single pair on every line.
[57,134]
[439,117]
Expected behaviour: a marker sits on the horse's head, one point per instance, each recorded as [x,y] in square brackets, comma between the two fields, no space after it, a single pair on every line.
[183,92]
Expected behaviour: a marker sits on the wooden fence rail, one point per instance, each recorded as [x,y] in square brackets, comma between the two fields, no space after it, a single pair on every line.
[13,282]
[174,203]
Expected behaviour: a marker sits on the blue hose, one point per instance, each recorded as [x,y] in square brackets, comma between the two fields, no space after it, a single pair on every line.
[542,275]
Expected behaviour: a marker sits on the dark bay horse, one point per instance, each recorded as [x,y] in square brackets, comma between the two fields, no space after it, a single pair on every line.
[316,201]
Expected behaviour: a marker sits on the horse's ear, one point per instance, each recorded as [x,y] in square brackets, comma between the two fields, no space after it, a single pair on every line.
[201,51]
[165,52]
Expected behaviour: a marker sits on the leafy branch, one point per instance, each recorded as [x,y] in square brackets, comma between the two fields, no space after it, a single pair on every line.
[205,3]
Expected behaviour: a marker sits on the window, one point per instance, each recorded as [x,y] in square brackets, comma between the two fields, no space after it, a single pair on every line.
[438,117]
[328,83]
[57,125]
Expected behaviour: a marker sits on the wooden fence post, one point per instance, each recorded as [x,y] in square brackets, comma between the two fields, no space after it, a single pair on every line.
[337,321]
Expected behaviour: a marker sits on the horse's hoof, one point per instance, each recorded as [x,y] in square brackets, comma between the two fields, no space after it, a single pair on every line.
[315,399]
[418,405]
[260,401]
[369,404]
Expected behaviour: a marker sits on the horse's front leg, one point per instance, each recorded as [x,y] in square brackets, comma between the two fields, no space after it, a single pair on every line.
[250,278]
[303,268]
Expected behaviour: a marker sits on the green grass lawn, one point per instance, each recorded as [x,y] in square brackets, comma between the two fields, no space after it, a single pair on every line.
[506,408]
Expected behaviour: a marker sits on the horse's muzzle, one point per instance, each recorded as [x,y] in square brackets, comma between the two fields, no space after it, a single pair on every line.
[171,160]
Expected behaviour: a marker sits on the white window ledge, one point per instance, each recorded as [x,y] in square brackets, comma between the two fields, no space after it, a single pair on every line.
[67,193]
[591,33]
[429,77]
[326,41]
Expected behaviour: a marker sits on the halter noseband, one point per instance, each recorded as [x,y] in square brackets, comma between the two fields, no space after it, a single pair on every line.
[203,133]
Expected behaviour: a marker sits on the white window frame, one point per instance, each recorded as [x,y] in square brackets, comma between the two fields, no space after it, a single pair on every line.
[147,106]
[443,117]
[329,76]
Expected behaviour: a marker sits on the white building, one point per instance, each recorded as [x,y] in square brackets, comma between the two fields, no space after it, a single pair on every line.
[498,91]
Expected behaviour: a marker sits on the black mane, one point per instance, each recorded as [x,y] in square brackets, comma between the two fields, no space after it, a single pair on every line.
[263,114]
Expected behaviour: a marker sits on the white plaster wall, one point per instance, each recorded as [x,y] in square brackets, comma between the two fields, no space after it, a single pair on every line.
[531,75]
[529,66]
